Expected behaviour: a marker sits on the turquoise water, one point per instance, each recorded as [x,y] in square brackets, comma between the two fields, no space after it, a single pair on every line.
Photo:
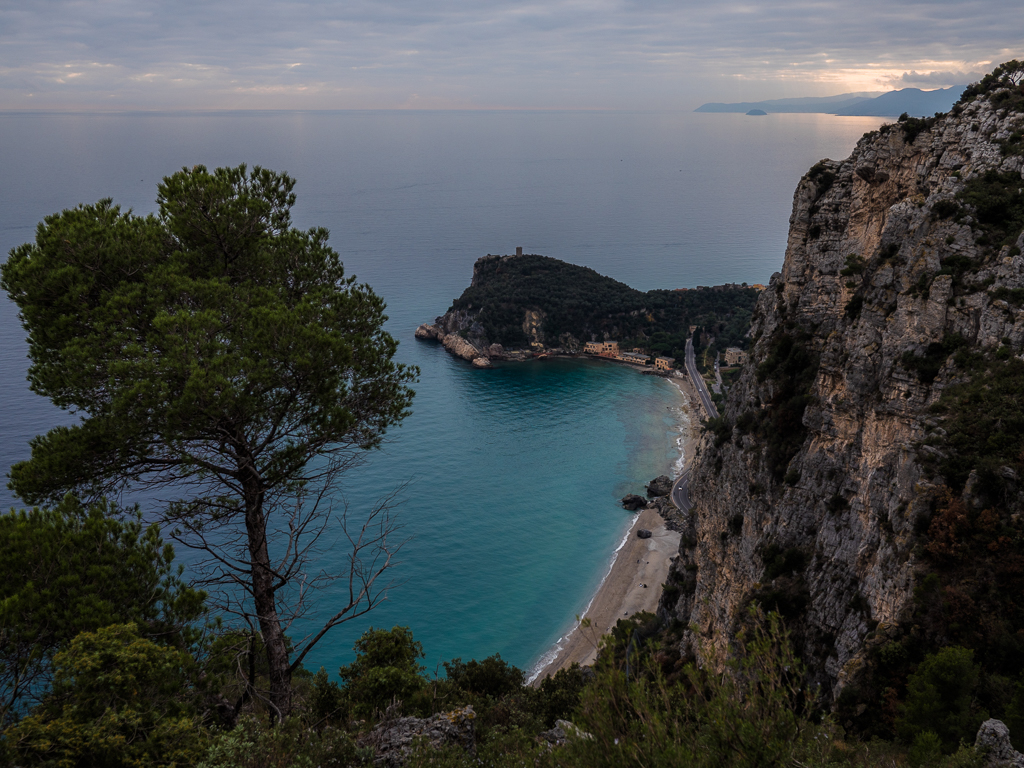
[513,473]
[512,504]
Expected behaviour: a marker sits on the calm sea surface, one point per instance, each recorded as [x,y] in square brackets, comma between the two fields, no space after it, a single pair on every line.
[512,473]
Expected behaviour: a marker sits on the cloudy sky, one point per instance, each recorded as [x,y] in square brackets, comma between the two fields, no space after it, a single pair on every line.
[578,54]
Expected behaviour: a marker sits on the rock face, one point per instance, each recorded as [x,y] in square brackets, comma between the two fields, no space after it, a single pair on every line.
[392,740]
[563,733]
[836,481]
[994,741]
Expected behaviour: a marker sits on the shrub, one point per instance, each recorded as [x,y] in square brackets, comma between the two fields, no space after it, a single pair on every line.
[854,306]
[252,744]
[997,200]
[721,428]
[778,561]
[940,699]
[791,367]
[945,209]
[927,366]
[385,669]
[854,266]
[985,428]
[118,700]
[490,677]
[822,176]
[912,127]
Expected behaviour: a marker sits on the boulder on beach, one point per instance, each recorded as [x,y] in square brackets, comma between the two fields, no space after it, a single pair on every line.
[643,533]
[659,486]
[632,502]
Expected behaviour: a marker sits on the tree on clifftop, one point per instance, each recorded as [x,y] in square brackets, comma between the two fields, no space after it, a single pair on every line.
[220,357]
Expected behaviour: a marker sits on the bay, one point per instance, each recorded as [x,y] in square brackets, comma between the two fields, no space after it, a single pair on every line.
[513,473]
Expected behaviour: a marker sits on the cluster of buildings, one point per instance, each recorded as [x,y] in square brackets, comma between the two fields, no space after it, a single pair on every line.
[610,350]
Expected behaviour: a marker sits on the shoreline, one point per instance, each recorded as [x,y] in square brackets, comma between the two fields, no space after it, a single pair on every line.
[636,562]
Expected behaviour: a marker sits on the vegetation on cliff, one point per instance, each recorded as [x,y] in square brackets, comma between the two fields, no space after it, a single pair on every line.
[578,302]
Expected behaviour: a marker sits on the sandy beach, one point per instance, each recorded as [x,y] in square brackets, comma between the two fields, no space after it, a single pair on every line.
[635,580]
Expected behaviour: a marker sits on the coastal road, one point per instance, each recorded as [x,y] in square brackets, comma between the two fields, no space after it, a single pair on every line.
[681,491]
[698,381]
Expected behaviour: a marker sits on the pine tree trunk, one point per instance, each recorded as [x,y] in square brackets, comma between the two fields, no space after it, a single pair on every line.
[263,592]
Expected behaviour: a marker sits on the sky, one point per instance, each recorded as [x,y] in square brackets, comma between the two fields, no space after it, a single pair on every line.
[486,54]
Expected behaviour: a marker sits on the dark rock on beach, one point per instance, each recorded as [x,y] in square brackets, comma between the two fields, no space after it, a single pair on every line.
[632,502]
[643,533]
[659,486]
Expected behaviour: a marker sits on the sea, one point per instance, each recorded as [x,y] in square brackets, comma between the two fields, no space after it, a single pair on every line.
[506,481]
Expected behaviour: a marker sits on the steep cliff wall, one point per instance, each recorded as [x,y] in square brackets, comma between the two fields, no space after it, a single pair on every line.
[812,493]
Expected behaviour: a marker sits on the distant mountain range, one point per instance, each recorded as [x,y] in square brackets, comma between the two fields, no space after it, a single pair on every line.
[913,101]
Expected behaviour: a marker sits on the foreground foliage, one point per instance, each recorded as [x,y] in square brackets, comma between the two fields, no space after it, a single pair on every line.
[219,354]
[76,569]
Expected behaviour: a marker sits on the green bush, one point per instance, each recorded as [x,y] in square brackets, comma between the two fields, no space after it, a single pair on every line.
[254,744]
[491,677]
[854,266]
[985,425]
[940,699]
[997,200]
[118,700]
[75,569]
[927,366]
[385,669]
[791,366]
[778,562]
[912,127]
[945,209]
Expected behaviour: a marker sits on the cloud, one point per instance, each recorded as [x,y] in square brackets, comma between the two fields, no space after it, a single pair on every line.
[937,79]
[488,53]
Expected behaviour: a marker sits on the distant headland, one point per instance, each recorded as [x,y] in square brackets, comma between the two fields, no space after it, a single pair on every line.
[913,101]
[523,306]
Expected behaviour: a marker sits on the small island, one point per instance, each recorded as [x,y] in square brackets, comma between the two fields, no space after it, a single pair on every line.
[757,112]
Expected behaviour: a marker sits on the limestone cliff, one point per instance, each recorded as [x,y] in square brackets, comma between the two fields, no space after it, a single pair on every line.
[812,493]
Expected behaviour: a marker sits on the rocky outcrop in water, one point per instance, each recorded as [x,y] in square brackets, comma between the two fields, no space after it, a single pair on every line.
[659,486]
[814,493]
[633,502]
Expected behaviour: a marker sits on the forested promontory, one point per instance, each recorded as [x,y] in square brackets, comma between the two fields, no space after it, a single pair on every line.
[531,301]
